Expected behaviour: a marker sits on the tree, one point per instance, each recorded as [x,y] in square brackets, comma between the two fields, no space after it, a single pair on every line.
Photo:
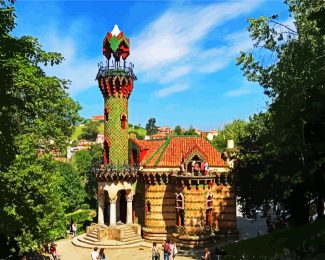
[151,126]
[178,130]
[72,187]
[191,131]
[36,115]
[84,161]
[293,78]
[231,131]
[90,131]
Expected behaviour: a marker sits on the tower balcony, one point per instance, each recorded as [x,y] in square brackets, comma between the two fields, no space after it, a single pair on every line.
[115,172]
[115,70]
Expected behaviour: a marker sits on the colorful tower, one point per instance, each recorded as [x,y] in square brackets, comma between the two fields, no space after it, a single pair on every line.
[115,178]
[115,81]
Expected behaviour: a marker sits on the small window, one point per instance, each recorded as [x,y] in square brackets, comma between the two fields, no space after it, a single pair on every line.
[179,205]
[123,121]
[148,207]
[106,114]
[209,205]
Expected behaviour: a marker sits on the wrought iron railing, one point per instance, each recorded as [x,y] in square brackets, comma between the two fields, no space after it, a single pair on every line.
[115,69]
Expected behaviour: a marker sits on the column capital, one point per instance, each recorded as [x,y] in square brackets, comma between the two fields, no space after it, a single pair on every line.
[112,200]
[129,198]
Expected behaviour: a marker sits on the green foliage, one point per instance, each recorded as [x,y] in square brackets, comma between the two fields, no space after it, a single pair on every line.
[288,151]
[84,161]
[231,131]
[89,131]
[36,114]
[306,240]
[72,186]
[191,131]
[81,215]
[178,130]
[138,135]
[151,126]
[32,204]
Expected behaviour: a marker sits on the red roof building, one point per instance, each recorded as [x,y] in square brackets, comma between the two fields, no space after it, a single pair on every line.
[170,152]
[97,118]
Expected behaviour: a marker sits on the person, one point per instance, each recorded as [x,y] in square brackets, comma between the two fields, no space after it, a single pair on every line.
[94,254]
[207,255]
[206,168]
[74,229]
[101,254]
[155,252]
[53,251]
[166,249]
[173,249]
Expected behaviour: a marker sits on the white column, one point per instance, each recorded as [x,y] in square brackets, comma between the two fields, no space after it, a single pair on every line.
[100,209]
[129,210]
[112,214]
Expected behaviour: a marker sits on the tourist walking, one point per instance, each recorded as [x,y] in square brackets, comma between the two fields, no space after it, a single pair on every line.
[155,251]
[102,254]
[173,249]
[53,251]
[207,255]
[166,250]
[94,254]
[74,229]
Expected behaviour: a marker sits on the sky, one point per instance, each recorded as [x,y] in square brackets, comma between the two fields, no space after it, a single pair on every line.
[184,54]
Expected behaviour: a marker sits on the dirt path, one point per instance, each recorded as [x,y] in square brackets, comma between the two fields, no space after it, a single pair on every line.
[70,252]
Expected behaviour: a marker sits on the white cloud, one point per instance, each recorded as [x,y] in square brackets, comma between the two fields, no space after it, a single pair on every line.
[170,90]
[171,46]
[78,68]
[239,92]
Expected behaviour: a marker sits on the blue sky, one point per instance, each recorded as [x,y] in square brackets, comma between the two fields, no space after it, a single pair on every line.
[184,54]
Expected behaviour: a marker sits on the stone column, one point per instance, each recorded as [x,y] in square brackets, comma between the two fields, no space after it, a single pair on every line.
[101,208]
[129,200]
[112,213]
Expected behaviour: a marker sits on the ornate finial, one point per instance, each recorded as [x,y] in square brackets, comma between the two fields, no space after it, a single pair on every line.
[116,31]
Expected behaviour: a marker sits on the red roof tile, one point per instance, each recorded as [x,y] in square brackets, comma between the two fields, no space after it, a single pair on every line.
[169,152]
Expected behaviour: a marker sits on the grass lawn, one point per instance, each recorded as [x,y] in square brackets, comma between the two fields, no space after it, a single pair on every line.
[271,244]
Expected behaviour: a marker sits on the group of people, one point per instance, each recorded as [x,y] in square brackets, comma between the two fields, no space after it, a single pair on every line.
[169,249]
[98,256]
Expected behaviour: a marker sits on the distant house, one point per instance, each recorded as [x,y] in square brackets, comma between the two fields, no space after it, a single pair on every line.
[212,134]
[100,138]
[72,150]
[97,118]
[164,130]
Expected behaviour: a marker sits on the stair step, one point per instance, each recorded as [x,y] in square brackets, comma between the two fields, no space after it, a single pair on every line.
[90,239]
[132,239]
[92,235]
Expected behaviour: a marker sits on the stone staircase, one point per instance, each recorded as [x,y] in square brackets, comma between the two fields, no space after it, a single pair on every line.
[129,235]
[129,238]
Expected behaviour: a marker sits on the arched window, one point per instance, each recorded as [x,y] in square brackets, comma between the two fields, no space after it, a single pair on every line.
[179,205]
[106,152]
[106,114]
[148,207]
[123,121]
[209,206]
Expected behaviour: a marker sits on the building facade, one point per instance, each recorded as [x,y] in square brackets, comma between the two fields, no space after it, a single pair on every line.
[177,186]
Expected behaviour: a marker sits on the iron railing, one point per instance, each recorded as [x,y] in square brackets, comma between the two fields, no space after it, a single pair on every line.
[115,69]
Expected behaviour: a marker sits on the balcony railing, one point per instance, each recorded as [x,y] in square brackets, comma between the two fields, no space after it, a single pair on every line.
[115,69]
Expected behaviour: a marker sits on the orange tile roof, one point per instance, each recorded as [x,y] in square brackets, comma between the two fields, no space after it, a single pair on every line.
[97,117]
[169,152]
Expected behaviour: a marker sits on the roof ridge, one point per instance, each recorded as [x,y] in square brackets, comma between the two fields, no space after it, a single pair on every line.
[163,151]
[154,153]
